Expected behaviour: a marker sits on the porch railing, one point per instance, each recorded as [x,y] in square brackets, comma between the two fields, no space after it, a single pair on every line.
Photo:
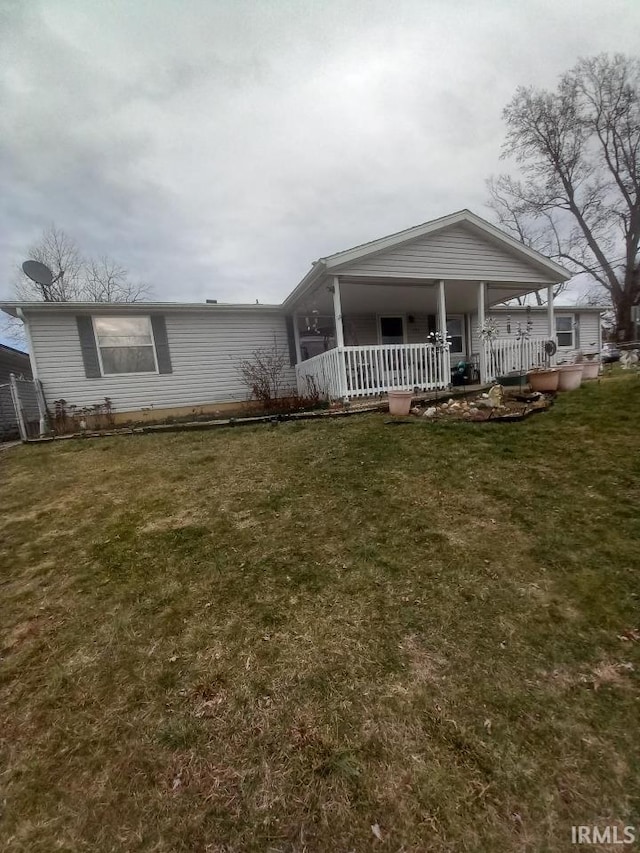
[508,354]
[371,370]
[324,374]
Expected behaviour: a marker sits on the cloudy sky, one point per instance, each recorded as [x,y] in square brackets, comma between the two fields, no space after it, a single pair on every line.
[217,147]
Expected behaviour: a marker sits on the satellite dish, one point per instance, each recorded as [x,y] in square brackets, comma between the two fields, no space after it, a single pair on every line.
[550,347]
[40,273]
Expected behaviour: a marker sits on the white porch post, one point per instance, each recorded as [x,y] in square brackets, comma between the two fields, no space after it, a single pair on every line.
[337,312]
[296,338]
[442,310]
[481,322]
[442,328]
[550,315]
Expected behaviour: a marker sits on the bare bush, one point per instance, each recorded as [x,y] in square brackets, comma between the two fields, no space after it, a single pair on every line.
[264,373]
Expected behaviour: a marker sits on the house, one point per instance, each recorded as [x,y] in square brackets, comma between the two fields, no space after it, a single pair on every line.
[12,361]
[361,322]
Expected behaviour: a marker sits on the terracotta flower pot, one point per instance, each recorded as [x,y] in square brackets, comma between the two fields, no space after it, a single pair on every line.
[570,377]
[543,380]
[400,402]
[590,369]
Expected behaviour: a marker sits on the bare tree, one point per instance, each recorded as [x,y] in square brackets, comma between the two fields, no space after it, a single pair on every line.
[76,279]
[578,150]
[107,281]
[61,254]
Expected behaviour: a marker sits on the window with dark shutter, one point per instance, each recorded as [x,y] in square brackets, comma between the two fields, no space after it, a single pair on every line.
[114,345]
[88,346]
[291,341]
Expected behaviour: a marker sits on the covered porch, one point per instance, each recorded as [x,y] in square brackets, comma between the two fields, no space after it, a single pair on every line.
[366,338]
[409,311]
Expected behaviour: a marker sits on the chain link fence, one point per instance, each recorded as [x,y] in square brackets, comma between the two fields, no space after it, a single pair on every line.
[23,413]
[8,419]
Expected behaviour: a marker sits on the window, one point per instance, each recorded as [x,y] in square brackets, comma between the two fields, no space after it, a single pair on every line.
[125,344]
[565,330]
[391,330]
[455,330]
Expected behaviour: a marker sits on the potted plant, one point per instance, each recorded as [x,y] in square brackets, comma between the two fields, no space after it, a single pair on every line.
[591,367]
[545,379]
[570,376]
[400,402]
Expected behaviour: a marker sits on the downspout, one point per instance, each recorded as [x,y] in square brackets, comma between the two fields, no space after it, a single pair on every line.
[27,331]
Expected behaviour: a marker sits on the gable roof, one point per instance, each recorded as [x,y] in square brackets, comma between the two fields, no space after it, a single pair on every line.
[373,247]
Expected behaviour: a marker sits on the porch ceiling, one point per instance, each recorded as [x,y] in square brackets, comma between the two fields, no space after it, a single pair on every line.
[403,296]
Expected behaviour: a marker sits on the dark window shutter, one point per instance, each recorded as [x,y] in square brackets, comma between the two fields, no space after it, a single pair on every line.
[291,341]
[88,346]
[576,328]
[162,343]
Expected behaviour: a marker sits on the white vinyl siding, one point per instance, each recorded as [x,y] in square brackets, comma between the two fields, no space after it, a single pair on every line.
[589,331]
[458,252]
[206,349]
[360,329]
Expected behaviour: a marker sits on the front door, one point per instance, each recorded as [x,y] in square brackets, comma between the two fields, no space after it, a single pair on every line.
[391,330]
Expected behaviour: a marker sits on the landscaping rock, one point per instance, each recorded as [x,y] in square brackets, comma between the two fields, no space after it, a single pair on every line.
[430,412]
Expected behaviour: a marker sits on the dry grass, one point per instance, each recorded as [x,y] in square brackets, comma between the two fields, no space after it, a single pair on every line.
[275,639]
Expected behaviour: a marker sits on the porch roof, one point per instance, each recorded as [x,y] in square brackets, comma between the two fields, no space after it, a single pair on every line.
[395,261]
[405,296]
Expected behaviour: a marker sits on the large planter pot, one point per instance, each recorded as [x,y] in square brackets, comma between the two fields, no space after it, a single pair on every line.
[570,377]
[400,402]
[543,380]
[590,369]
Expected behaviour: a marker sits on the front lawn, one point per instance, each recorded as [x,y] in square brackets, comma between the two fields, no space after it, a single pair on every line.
[277,638]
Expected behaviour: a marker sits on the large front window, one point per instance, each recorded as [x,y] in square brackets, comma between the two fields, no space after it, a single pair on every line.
[125,344]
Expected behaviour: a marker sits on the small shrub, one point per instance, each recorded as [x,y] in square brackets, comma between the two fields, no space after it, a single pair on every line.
[263,374]
[69,418]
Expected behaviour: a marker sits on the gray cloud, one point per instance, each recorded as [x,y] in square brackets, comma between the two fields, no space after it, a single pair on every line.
[217,148]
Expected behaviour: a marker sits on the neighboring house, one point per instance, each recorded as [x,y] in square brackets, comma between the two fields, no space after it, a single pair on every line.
[17,362]
[13,361]
[361,322]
